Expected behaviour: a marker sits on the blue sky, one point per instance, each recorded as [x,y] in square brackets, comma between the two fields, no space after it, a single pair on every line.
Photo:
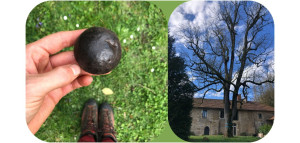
[200,13]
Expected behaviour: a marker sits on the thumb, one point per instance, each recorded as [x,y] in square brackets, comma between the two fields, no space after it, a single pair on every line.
[59,77]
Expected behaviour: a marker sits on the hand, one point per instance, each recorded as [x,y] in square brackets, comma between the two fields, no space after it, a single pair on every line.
[50,77]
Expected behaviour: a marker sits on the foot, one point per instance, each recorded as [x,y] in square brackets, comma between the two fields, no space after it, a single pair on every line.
[89,120]
[106,122]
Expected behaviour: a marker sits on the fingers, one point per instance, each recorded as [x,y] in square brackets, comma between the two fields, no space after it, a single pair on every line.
[79,82]
[55,42]
[82,81]
[57,78]
[66,58]
[52,99]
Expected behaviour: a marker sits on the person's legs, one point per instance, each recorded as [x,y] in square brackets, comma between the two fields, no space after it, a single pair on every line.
[106,123]
[87,138]
[89,122]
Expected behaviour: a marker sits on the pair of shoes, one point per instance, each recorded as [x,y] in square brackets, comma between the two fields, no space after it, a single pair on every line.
[101,126]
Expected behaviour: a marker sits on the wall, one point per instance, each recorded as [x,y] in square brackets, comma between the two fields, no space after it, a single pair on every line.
[212,121]
[248,121]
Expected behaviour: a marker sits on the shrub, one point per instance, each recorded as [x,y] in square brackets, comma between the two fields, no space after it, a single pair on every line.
[192,133]
[264,129]
[205,139]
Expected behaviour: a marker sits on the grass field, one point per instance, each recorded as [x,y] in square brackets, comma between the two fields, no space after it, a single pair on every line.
[220,138]
[139,82]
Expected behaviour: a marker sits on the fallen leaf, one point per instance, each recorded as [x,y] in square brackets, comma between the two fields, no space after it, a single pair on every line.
[107,91]
[124,114]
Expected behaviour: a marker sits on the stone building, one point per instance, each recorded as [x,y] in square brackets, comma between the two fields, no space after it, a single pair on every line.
[208,117]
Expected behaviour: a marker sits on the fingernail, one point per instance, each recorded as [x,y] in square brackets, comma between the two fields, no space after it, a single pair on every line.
[75,69]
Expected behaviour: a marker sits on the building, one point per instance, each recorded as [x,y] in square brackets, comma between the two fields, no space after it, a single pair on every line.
[208,117]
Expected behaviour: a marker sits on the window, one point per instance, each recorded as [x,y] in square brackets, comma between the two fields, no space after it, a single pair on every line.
[222,114]
[259,116]
[236,117]
[204,113]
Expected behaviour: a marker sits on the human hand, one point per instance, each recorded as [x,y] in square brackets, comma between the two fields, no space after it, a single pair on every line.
[50,77]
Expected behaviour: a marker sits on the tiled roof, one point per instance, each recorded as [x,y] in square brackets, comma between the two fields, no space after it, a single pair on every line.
[272,118]
[218,104]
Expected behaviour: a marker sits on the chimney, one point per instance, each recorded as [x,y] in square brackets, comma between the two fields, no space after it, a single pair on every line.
[239,97]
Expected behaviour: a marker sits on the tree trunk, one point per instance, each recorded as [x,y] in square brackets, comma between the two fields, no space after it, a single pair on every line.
[228,114]
[228,126]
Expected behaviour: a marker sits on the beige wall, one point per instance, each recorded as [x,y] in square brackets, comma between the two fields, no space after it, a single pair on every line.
[248,121]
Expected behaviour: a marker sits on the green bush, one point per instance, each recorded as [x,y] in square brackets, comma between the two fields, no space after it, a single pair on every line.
[139,82]
[192,133]
[205,139]
[264,129]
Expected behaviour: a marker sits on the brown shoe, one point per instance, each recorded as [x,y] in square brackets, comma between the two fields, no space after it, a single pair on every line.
[106,122]
[89,119]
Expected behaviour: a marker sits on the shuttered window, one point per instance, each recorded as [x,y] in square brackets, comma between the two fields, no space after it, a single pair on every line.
[204,113]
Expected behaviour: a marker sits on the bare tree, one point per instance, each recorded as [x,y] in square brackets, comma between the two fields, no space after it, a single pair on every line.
[264,94]
[231,52]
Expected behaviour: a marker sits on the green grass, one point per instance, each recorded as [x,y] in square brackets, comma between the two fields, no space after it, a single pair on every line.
[140,96]
[220,138]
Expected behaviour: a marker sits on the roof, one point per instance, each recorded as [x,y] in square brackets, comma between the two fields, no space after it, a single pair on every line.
[272,118]
[218,104]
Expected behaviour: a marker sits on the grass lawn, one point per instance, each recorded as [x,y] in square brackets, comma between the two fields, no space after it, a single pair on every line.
[220,138]
[139,82]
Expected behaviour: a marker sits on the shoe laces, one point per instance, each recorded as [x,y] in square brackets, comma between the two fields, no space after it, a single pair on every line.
[107,123]
[91,122]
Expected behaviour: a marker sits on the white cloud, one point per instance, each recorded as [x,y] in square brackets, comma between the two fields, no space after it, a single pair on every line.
[240,28]
[209,94]
[256,73]
[192,78]
[189,72]
[217,94]
[203,12]
[253,71]
[198,95]
[176,19]
[249,73]
[270,63]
